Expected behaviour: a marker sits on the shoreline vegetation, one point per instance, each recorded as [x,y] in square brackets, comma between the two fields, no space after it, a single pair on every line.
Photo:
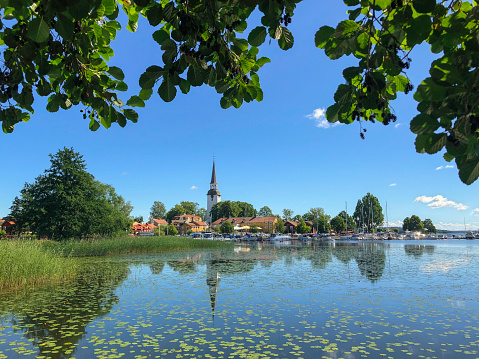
[34,263]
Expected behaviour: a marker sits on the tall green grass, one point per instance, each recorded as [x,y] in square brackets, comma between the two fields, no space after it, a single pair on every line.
[128,245]
[26,264]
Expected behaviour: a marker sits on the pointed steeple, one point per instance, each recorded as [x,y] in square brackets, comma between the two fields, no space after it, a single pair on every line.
[213,174]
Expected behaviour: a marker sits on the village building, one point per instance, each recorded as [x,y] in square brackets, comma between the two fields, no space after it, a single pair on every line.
[8,226]
[195,226]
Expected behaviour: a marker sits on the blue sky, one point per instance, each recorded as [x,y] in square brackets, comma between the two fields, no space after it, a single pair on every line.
[279,152]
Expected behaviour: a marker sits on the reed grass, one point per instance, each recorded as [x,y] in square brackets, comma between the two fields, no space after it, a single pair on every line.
[128,245]
[27,264]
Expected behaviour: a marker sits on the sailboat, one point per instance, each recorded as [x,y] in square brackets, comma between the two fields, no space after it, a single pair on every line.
[346,236]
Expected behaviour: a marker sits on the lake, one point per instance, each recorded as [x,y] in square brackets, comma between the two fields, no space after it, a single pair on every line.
[306,300]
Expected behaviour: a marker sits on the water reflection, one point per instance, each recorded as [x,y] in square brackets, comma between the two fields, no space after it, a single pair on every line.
[55,320]
[309,300]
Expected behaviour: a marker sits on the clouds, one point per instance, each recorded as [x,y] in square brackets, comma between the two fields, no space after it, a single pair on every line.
[455,226]
[444,167]
[475,212]
[440,202]
[193,187]
[319,117]
[392,185]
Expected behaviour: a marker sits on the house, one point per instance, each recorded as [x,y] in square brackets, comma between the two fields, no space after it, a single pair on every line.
[158,222]
[290,226]
[195,226]
[185,218]
[267,224]
[8,226]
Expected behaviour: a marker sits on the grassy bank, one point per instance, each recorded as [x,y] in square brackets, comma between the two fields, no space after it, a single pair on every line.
[31,263]
[27,264]
[128,245]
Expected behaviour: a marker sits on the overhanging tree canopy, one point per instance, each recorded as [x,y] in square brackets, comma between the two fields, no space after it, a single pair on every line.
[61,49]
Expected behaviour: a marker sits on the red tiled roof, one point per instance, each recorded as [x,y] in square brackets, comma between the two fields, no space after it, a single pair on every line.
[199,223]
[160,221]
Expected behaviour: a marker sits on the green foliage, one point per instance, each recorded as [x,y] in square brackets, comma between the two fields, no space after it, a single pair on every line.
[265,212]
[228,209]
[413,223]
[302,227]
[67,202]
[348,220]
[190,207]
[189,231]
[138,219]
[2,233]
[395,230]
[172,231]
[227,227]
[429,226]
[338,224]
[368,212]
[61,50]
[201,212]
[158,210]
[287,215]
[279,226]
[297,218]
[174,211]
[381,36]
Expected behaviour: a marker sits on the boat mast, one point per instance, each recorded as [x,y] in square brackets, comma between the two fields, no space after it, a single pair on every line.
[346,217]
[387,220]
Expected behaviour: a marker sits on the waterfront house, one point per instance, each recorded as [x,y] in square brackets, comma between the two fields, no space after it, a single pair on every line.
[195,226]
[185,218]
[8,226]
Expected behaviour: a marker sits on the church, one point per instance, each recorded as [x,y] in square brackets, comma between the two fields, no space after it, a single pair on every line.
[213,196]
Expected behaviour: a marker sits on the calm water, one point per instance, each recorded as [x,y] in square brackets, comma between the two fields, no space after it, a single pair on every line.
[331,300]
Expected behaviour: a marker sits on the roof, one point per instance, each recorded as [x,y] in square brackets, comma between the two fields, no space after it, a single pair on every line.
[213,175]
[193,216]
[263,219]
[291,223]
[199,223]
[213,192]
[160,221]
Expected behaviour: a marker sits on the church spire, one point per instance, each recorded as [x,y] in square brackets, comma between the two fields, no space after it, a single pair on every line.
[213,174]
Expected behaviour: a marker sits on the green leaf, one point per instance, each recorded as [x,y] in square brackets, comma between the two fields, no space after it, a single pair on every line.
[468,170]
[322,36]
[116,72]
[131,115]
[135,101]
[286,40]
[64,27]
[262,60]
[167,90]
[121,119]
[184,86]
[38,30]
[160,36]
[94,125]
[423,123]
[145,94]
[109,5]
[195,75]
[257,36]
[149,77]
[155,15]
[424,6]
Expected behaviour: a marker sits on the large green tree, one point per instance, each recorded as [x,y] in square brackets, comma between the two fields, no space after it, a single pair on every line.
[61,49]
[429,226]
[368,213]
[302,227]
[265,211]
[338,224]
[190,207]
[67,202]
[413,223]
[174,211]
[287,214]
[279,226]
[227,227]
[228,209]
[158,210]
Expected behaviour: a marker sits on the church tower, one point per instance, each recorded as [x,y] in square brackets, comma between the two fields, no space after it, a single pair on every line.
[213,196]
